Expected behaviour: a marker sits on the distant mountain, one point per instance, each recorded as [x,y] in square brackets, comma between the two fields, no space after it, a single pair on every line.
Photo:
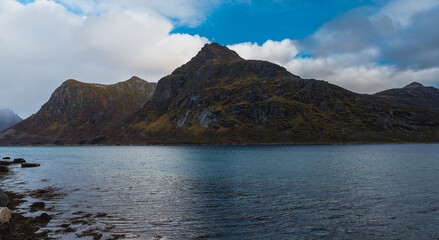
[81,113]
[413,94]
[8,118]
[218,97]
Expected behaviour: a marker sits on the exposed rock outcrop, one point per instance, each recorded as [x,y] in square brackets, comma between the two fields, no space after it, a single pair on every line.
[81,113]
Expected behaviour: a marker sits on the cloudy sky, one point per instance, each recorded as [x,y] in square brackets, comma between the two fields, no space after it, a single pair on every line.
[362,45]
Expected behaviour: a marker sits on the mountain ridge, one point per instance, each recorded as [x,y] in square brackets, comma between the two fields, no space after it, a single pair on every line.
[225,99]
[220,98]
[414,94]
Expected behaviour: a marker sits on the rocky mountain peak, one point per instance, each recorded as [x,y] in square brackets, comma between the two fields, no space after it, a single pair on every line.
[414,94]
[209,53]
[135,79]
[214,51]
[414,85]
[136,82]
[70,82]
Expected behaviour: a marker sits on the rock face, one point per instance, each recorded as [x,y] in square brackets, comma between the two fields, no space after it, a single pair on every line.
[414,94]
[218,97]
[81,113]
[8,118]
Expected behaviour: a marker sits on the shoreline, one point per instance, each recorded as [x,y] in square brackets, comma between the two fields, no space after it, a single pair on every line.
[31,217]
[21,226]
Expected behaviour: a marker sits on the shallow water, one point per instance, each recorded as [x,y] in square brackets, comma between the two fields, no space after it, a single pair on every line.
[243,192]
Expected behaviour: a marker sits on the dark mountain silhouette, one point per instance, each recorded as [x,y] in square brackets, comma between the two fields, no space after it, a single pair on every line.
[413,94]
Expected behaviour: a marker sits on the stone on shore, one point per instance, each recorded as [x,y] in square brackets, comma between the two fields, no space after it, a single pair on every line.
[4,199]
[37,206]
[5,163]
[45,217]
[4,169]
[29,165]
[5,215]
[19,160]
[6,158]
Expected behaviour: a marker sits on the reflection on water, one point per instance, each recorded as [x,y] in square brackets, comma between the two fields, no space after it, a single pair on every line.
[178,192]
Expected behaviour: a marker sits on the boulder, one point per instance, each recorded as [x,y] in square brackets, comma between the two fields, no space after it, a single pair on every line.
[6,158]
[19,160]
[29,165]
[4,169]
[5,163]
[5,215]
[4,199]
[37,206]
[44,217]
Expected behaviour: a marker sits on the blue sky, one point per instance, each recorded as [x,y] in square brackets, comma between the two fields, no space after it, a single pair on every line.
[232,22]
[362,45]
[261,20]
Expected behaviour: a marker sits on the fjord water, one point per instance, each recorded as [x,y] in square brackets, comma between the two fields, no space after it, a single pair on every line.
[243,192]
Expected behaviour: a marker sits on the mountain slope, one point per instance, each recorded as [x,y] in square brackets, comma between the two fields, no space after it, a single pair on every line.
[218,97]
[78,113]
[413,94]
[8,118]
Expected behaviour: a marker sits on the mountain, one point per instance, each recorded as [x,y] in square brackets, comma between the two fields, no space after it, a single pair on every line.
[413,94]
[81,113]
[8,118]
[218,97]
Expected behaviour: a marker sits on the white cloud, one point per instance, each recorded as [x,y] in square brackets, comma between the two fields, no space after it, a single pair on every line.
[137,40]
[403,10]
[188,12]
[42,44]
[273,51]
[365,78]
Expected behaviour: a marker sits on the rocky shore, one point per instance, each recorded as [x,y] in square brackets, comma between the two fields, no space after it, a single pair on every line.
[30,214]
[21,226]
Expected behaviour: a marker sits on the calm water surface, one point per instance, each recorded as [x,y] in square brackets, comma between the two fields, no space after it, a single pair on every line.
[243,192]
